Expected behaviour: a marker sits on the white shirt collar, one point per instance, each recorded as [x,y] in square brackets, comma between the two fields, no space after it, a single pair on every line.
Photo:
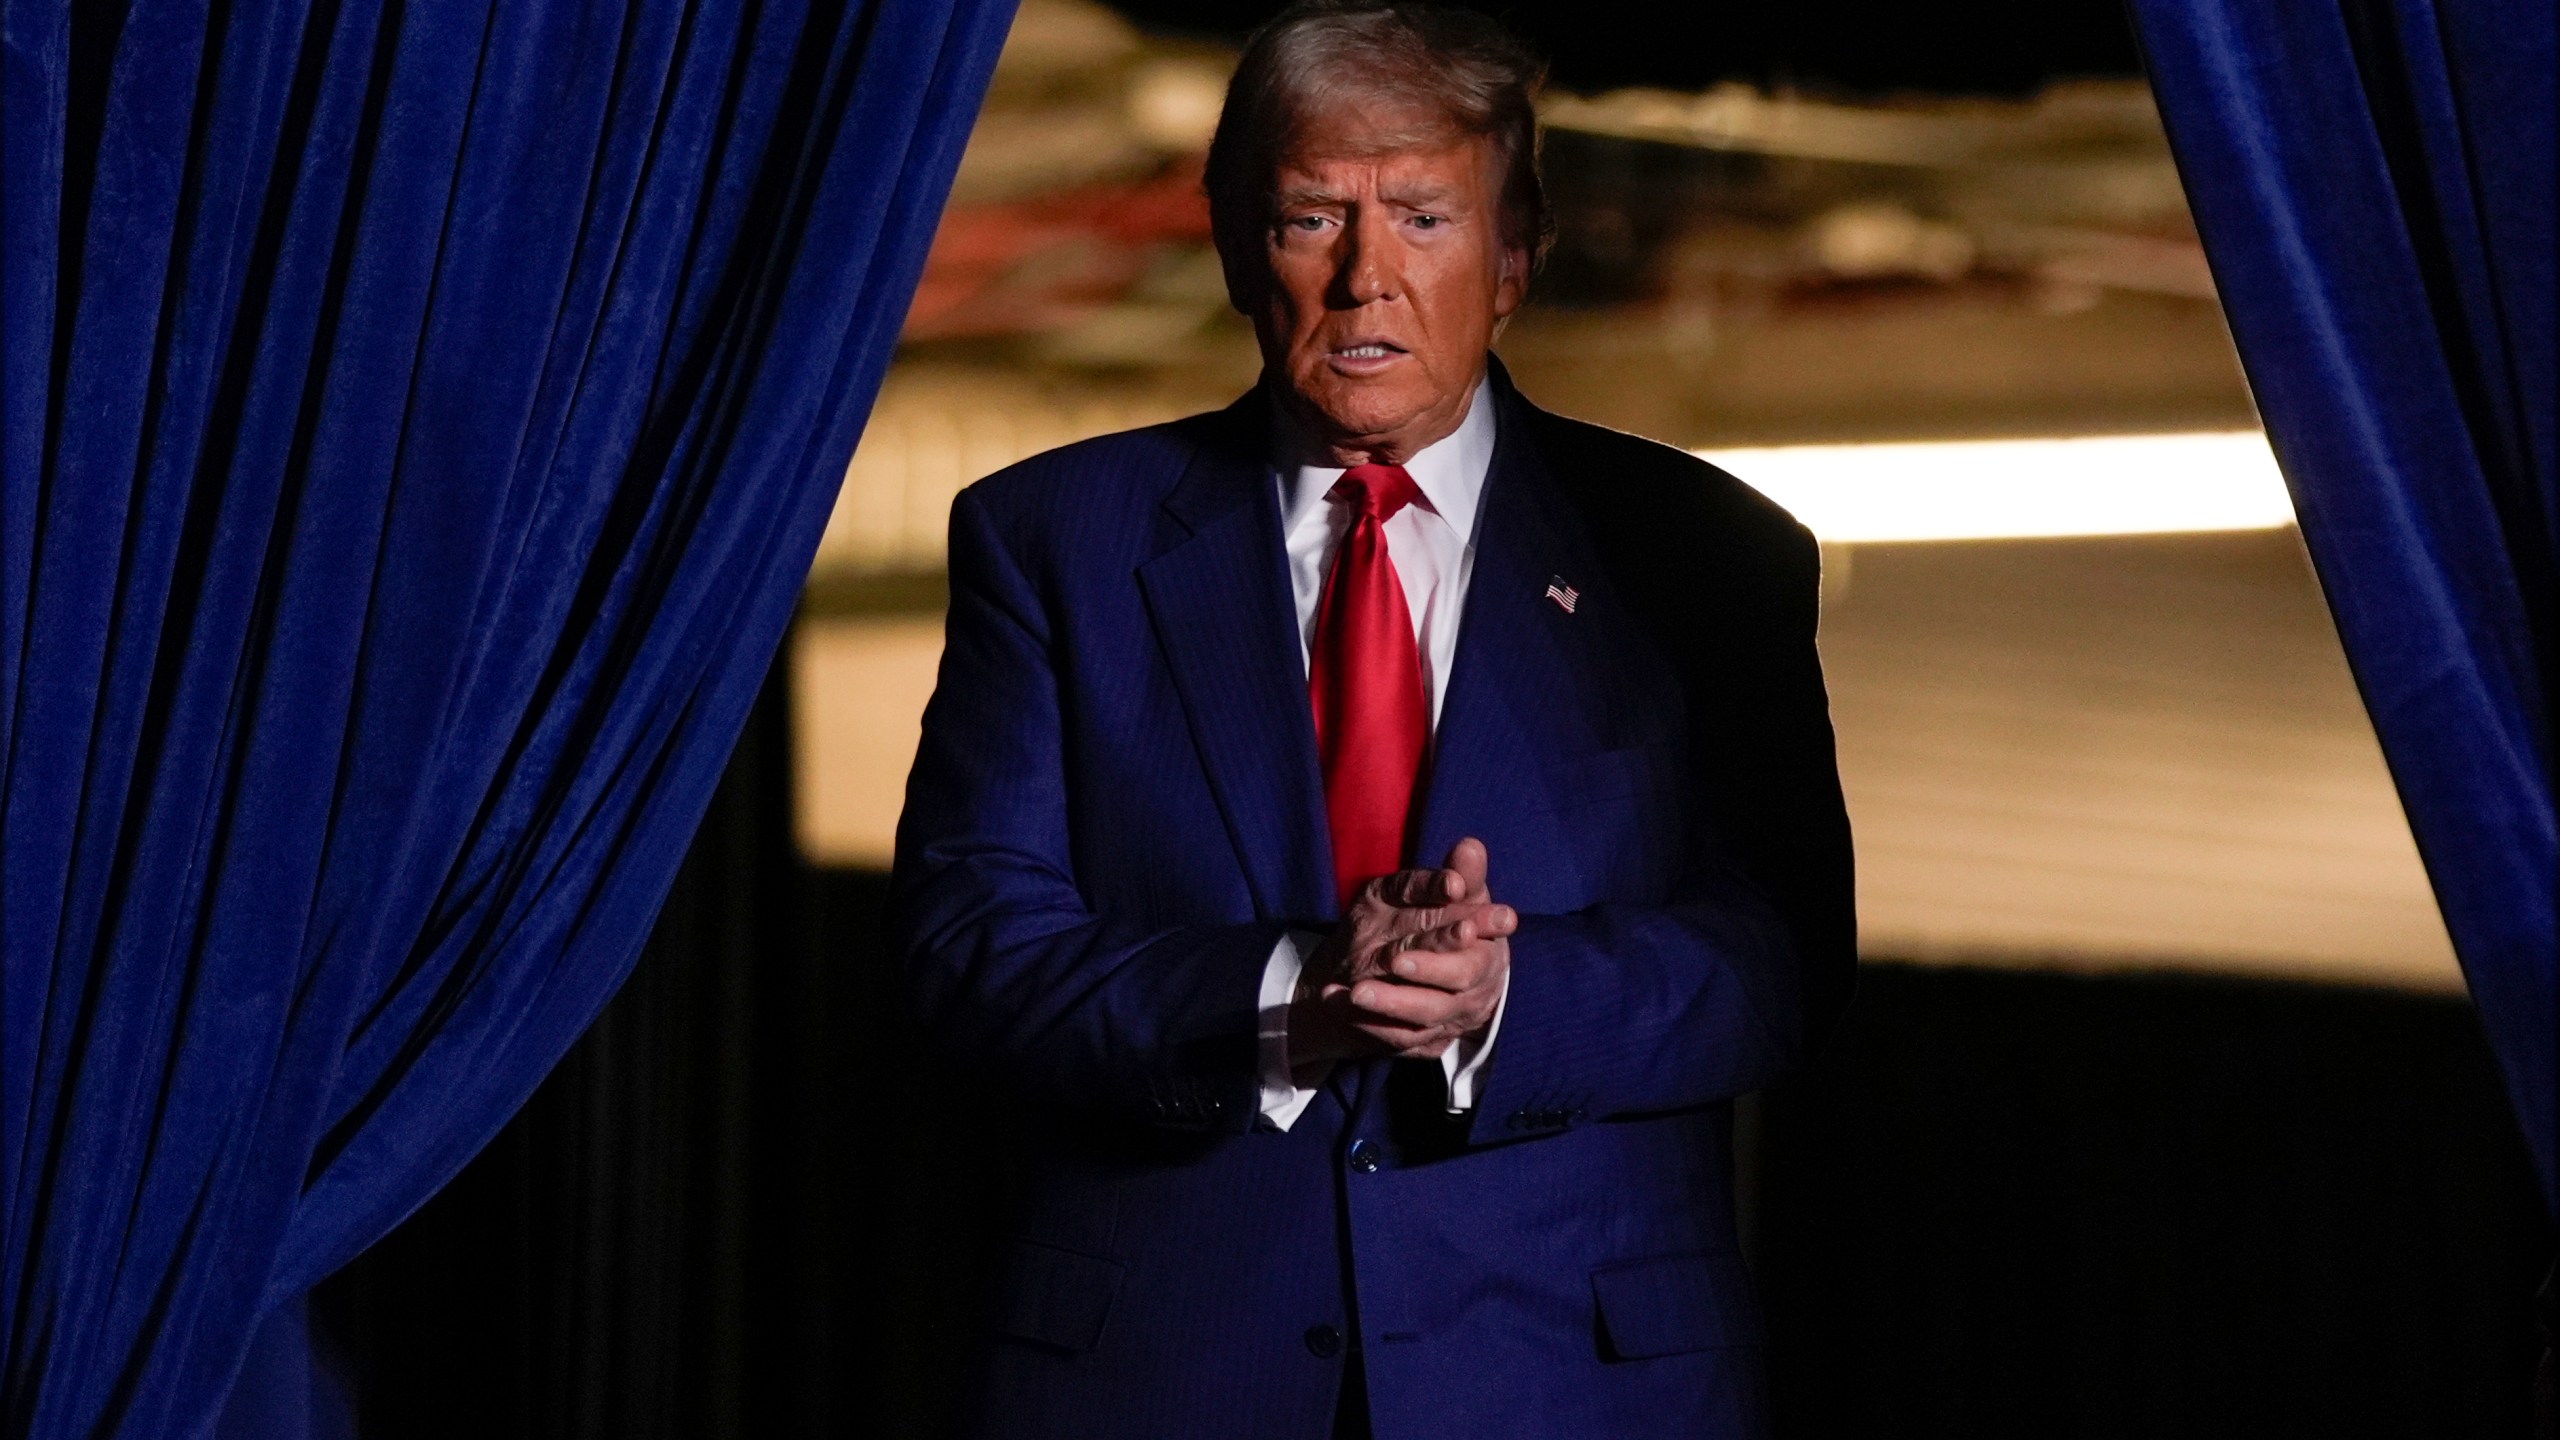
[1450,471]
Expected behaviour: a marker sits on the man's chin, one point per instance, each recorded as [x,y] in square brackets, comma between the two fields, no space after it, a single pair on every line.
[1345,414]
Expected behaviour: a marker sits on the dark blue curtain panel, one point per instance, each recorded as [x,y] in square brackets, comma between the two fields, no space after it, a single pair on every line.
[419,419]
[2374,182]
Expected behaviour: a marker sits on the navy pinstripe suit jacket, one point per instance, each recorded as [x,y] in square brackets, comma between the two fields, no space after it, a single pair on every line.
[1115,812]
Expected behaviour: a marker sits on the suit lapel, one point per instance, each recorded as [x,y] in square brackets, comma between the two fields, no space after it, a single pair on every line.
[1518,672]
[1220,602]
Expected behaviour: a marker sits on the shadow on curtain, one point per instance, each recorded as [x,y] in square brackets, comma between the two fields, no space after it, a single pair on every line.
[2374,183]
[751,1203]
[418,421]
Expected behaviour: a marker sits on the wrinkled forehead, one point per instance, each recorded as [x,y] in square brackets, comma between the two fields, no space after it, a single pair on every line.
[1365,120]
[1372,129]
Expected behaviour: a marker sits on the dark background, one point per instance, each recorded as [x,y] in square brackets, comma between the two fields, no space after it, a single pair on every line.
[2006,1203]
[1991,47]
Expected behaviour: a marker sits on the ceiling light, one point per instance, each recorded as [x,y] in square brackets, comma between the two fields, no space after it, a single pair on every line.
[2015,489]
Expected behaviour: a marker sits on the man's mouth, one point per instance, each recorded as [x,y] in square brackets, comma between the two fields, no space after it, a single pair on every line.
[1367,352]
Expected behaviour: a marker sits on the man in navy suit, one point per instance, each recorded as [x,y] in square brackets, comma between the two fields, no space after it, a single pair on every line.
[1329,1143]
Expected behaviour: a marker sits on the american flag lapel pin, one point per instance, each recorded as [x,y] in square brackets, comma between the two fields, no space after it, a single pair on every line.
[1565,596]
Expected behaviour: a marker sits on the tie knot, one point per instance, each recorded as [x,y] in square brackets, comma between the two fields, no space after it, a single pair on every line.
[1377,491]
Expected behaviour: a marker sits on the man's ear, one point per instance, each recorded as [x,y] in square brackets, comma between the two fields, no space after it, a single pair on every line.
[1511,283]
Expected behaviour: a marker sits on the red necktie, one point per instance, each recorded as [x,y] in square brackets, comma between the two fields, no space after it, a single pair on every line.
[1365,677]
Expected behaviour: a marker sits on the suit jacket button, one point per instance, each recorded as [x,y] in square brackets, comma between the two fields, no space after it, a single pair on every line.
[1364,1157]
[1323,1341]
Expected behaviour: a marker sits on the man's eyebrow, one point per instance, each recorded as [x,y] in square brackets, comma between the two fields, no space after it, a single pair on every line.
[1414,195]
[1290,196]
[1420,195]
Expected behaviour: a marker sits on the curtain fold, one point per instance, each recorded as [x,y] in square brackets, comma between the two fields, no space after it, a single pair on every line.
[418,421]
[2374,183]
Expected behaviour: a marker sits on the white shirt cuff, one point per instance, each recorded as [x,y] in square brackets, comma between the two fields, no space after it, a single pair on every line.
[1463,1062]
[1283,1098]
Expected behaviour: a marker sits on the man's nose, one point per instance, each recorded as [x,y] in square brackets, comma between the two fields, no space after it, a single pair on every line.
[1368,273]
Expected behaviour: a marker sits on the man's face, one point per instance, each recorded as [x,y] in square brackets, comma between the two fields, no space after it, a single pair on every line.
[1387,278]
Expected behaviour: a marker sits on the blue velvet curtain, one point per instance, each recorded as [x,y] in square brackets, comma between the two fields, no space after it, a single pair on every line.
[418,419]
[2374,182]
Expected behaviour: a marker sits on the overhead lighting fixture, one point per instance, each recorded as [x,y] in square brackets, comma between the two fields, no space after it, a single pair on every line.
[2020,489]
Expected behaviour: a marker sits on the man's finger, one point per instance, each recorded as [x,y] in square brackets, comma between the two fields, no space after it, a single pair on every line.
[1452,968]
[1400,1035]
[1408,889]
[1417,1005]
[1458,956]
[1469,925]
[1469,861]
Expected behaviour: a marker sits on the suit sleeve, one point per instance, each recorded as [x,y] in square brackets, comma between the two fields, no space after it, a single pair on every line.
[1733,979]
[1005,963]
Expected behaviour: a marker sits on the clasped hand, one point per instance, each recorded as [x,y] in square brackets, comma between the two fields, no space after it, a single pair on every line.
[1416,964]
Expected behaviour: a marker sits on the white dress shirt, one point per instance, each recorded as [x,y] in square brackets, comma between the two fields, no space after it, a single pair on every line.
[1433,545]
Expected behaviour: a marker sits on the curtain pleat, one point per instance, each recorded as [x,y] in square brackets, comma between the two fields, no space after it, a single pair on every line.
[419,418]
[2374,182]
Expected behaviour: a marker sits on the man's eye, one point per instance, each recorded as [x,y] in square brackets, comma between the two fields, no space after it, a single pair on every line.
[1427,222]
[1305,222]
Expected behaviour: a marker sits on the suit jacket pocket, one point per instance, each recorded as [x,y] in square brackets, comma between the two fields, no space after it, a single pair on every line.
[1056,1297]
[1673,1304]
